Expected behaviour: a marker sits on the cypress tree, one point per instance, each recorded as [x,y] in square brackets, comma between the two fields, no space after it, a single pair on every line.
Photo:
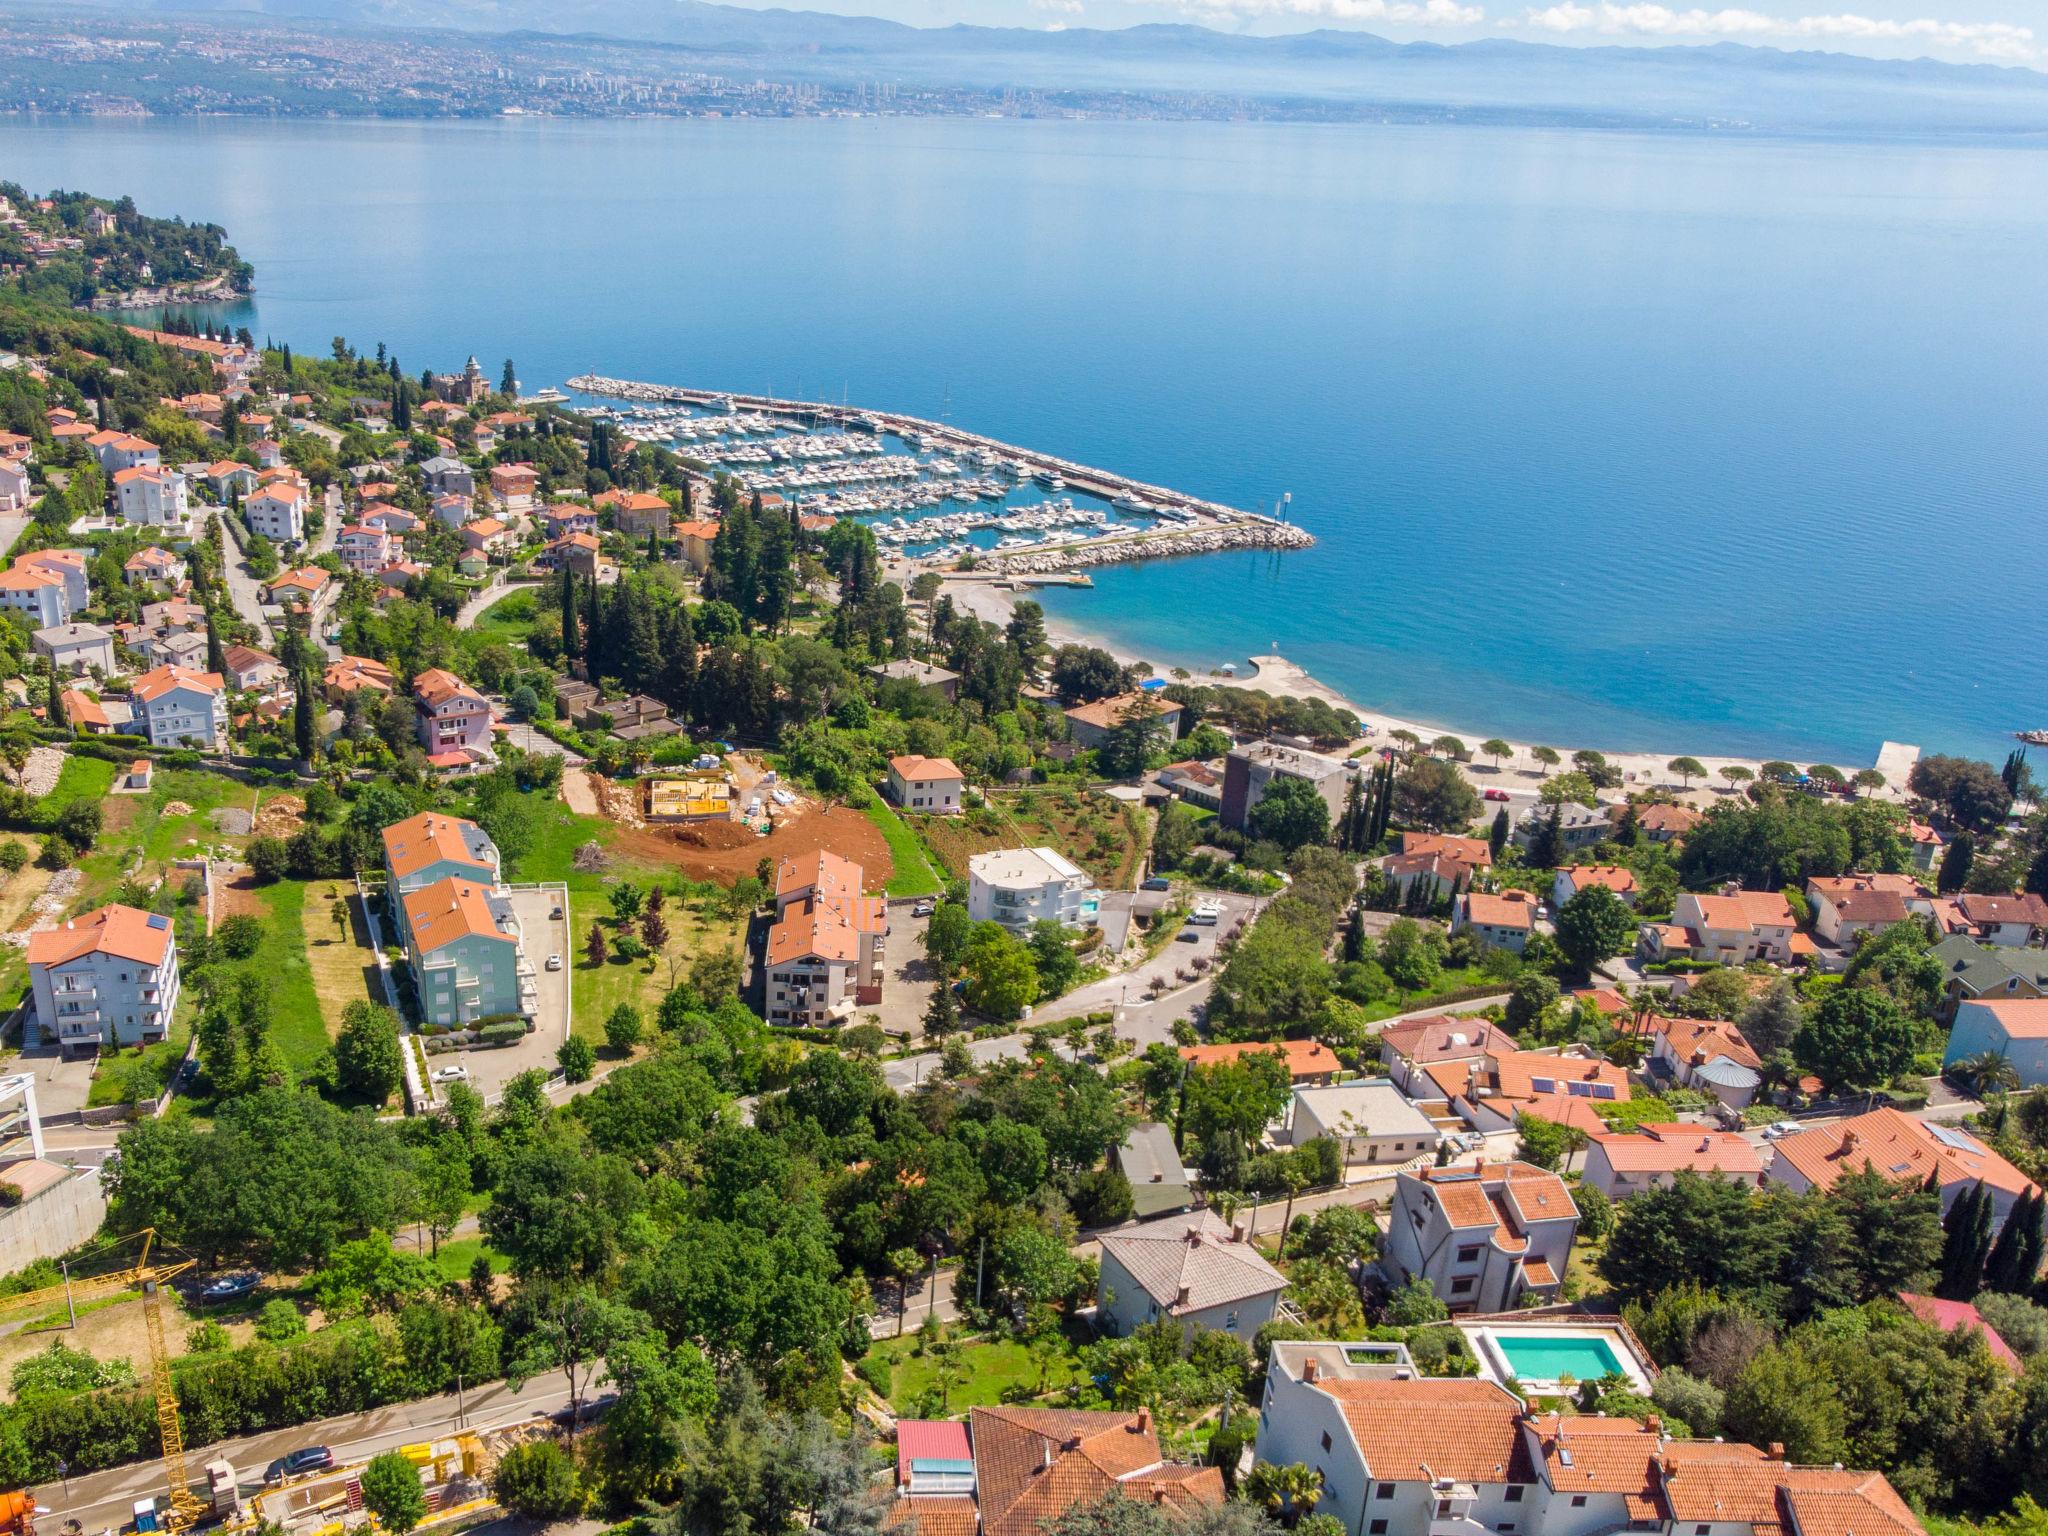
[303,711]
[1966,1241]
[54,700]
[215,662]
[2001,1265]
[1955,864]
[940,1015]
[1497,837]
[570,648]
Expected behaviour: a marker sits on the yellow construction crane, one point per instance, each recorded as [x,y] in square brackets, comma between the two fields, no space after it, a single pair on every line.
[185,1509]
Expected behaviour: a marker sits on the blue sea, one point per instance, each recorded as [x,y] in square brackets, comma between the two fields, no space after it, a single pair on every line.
[1700,443]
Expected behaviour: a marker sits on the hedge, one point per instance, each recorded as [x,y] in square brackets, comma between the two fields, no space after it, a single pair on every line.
[501,1034]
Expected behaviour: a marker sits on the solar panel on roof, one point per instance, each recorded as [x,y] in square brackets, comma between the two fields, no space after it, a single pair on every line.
[1950,1136]
[158,920]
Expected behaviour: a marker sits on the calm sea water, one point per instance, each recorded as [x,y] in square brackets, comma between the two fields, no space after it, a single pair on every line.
[1658,442]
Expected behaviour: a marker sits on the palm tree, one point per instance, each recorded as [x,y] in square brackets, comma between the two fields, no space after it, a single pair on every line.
[1985,1073]
[1266,1484]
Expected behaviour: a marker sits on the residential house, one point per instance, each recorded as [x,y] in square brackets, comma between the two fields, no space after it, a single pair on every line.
[454,719]
[567,517]
[1659,823]
[172,615]
[426,849]
[249,670]
[1574,878]
[512,487]
[452,511]
[2007,921]
[365,550]
[395,521]
[69,567]
[153,567]
[308,587]
[486,536]
[1962,1317]
[825,951]
[1499,920]
[1565,1084]
[1620,1164]
[1250,770]
[576,551]
[109,978]
[463,939]
[182,708]
[637,717]
[76,649]
[636,513]
[1197,1269]
[1151,1164]
[1196,782]
[184,648]
[152,497]
[278,512]
[1972,970]
[1709,1055]
[1408,1049]
[1904,1149]
[1306,1061]
[36,592]
[1732,928]
[1483,1238]
[922,673]
[395,580]
[351,674]
[1925,846]
[443,476]
[1370,1119]
[1091,724]
[1027,1467]
[117,451]
[228,477]
[2012,1027]
[1845,907]
[1442,863]
[693,542]
[269,453]
[929,784]
[95,717]
[1578,826]
[16,490]
[1021,886]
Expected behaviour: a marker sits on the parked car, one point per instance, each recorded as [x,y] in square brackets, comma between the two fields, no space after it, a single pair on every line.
[1187,936]
[1496,794]
[555,913]
[307,1458]
[1782,1128]
[229,1287]
[1157,883]
[1206,914]
[454,1072]
[924,906]
[554,962]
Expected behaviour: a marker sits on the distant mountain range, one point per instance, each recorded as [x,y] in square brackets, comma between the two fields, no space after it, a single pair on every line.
[1723,84]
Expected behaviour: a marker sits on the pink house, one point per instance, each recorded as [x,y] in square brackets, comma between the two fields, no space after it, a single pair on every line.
[365,550]
[454,719]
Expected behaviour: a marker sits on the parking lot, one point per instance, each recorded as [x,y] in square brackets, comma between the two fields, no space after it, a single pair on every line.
[543,935]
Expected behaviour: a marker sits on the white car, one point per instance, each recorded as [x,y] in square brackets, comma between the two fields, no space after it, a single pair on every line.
[457,1073]
[554,962]
[1782,1128]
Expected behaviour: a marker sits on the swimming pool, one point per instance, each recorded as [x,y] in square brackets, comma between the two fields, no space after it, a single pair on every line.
[1552,1357]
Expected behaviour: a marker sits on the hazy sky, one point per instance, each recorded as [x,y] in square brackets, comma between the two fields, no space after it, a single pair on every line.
[2006,31]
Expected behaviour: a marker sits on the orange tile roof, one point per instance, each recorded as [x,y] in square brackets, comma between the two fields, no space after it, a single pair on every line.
[2020,1018]
[125,932]
[1034,1464]
[1508,909]
[1746,909]
[1898,1146]
[1616,877]
[353,672]
[1446,1037]
[82,710]
[1417,1431]
[812,928]
[1475,851]
[448,910]
[1668,1148]
[1303,1058]
[822,871]
[1106,713]
[154,685]
[934,1515]
[1716,1037]
[1983,909]
[419,841]
[436,685]
[914,767]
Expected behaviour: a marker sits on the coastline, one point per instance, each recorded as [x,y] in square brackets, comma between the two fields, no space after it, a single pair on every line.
[1284,679]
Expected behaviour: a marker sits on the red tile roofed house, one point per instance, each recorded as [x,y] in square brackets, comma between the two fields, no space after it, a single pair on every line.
[1032,1465]
[825,952]
[2012,1027]
[365,550]
[308,587]
[1444,861]
[1663,823]
[577,551]
[1502,921]
[1307,1061]
[1845,906]
[107,978]
[934,1479]
[1484,1238]
[152,497]
[1575,878]
[434,846]
[1710,1055]
[1733,928]
[512,486]
[1091,724]
[1196,1269]
[929,784]
[1408,1048]
[1620,1164]
[84,713]
[1904,1150]
[393,520]
[637,513]
[464,943]
[182,708]
[1925,845]
[351,673]
[1953,1316]
[693,540]
[155,565]
[453,718]
[36,592]
[248,668]
[2012,921]
[486,536]
[1564,1086]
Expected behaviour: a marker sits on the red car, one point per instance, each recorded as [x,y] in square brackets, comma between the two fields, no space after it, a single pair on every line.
[1496,794]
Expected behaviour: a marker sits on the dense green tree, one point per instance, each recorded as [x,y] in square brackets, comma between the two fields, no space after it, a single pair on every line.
[1966,1243]
[393,1493]
[1857,1038]
[367,1059]
[538,1480]
[1290,813]
[1594,926]
[1434,794]
[1000,975]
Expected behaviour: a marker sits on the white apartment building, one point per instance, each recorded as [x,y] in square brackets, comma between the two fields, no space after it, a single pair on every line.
[76,649]
[182,708]
[152,497]
[1482,1237]
[1021,886]
[107,978]
[278,512]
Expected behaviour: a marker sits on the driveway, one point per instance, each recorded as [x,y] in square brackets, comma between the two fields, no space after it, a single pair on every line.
[482,598]
[61,1086]
[523,736]
[906,974]
[907,1072]
[490,1070]
[244,590]
[1128,990]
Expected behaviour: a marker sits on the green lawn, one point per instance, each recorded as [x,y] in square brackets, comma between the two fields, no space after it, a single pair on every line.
[296,1022]
[914,874]
[83,778]
[458,1255]
[128,1076]
[557,833]
[987,1371]
[597,990]
[1455,979]
[510,617]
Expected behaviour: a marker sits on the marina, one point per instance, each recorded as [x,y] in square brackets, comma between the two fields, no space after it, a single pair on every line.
[936,497]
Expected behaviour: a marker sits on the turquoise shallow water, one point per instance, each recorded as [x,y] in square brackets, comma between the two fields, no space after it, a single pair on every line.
[1711,444]
[1534,1359]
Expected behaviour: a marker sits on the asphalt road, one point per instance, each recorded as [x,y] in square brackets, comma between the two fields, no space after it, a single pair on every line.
[106,1499]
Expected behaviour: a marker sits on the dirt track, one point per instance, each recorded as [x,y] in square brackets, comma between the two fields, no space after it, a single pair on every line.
[839,830]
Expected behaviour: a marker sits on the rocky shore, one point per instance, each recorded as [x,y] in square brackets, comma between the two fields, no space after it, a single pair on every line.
[1250,534]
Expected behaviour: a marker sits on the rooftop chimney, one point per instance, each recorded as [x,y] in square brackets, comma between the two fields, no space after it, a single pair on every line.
[1144,1421]
[1158,1176]
[1776,1449]
[1181,1298]
[1237,1230]
[1654,1424]
[1073,1443]
[1311,1368]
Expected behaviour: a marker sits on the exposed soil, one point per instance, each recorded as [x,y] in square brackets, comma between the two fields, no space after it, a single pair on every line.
[280,816]
[725,852]
[236,893]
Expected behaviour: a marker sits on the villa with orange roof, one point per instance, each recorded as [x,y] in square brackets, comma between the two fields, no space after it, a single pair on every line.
[278,512]
[1663,823]
[433,846]
[1710,1055]
[825,951]
[463,939]
[635,513]
[1483,1238]
[1574,878]
[229,476]
[1499,921]
[1848,906]
[486,536]
[16,489]
[37,591]
[308,587]
[1307,1061]
[1904,1149]
[1732,928]
[1446,863]
[150,496]
[1620,1164]
[117,451]
[2015,1028]
[693,542]
[932,785]
[365,550]
[454,720]
[182,708]
[153,566]
[107,978]
[512,487]
[1409,1048]
[2009,921]
[1564,1085]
